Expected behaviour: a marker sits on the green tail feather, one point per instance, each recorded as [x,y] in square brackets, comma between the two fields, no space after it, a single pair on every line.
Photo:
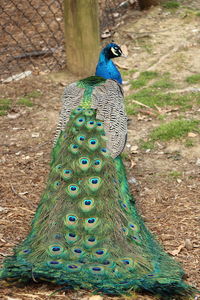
[86,231]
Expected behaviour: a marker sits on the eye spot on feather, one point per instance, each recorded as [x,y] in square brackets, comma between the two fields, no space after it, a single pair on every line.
[58,168]
[74,148]
[66,174]
[125,230]
[26,251]
[54,262]
[92,239]
[91,124]
[88,112]
[125,261]
[56,185]
[105,152]
[80,139]
[91,220]
[74,268]
[93,144]
[100,252]
[87,202]
[97,270]
[78,251]
[90,242]
[55,249]
[73,190]
[71,237]
[94,183]
[79,121]
[72,218]
[84,163]
[71,221]
[91,223]
[106,262]
[133,227]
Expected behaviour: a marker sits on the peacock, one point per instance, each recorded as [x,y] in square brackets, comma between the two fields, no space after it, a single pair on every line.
[87,232]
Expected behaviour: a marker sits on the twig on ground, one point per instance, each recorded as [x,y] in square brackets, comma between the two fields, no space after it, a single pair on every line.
[12,188]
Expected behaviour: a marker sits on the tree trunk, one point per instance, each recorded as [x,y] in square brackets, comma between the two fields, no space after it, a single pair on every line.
[81,35]
[144,4]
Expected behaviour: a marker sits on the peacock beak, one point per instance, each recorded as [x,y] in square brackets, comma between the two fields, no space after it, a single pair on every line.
[123,55]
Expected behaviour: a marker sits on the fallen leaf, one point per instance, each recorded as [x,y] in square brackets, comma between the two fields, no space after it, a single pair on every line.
[192,134]
[177,251]
[96,297]
[106,34]
[134,149]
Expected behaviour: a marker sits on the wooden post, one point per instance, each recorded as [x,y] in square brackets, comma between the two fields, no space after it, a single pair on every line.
[144,4]
[81,36]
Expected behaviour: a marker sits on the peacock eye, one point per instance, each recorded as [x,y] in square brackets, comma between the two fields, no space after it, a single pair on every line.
[72,218]
[55,249]
[84,161]
[87,202]
[75,146]
[73,188]
[91,122]
[67,171]
[126,261]
[94,180]
[100,252]
[97,162]
[91,239]
[104,150]
[72,235]
[93,142]
[91,220]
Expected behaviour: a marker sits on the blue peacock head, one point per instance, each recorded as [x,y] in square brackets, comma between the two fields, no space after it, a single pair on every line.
[112,50]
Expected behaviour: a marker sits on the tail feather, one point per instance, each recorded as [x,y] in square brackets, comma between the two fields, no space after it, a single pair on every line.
[86,231]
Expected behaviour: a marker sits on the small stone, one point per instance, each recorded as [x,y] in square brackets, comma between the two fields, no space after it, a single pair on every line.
[178,180]
[13,116]
[39,153]
[35,134]
[116,15]
[25,157]
[132,180]
[18,153]
[188,244]
[198,162]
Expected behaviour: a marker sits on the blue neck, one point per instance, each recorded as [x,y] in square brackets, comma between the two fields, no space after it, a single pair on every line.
[107,69]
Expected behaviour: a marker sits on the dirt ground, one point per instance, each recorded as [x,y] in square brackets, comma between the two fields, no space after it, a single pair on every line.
[170,205]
